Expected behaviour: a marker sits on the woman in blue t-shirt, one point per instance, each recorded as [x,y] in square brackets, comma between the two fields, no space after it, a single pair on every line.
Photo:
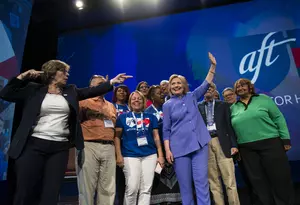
[120,99]
[138,132]
[165,189]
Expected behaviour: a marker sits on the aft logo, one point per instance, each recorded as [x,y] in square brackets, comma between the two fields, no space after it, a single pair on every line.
[254,60]
[264,59]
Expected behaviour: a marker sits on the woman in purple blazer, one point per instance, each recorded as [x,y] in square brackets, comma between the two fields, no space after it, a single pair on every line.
[186,137]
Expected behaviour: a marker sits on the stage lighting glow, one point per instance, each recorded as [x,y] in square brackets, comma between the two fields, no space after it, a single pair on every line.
[79,4]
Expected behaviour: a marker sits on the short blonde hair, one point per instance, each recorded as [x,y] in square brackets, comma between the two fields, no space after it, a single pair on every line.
[50,68]
[143,98]
[183,81]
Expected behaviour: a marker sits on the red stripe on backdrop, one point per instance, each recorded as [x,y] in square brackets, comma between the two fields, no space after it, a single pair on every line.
[296,54]
[9,68]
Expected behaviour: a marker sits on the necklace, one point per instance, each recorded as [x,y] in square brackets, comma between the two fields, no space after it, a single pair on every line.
[57,91]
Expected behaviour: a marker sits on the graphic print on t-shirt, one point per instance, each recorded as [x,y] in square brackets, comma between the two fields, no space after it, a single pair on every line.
[131,131]
[130,122]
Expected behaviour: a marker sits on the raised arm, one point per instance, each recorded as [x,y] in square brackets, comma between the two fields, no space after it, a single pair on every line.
[18,88]
[212,70]
[90,92]
[201,90]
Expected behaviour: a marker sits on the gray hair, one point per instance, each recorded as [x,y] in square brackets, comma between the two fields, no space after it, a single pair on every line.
[163,81]
[226,89]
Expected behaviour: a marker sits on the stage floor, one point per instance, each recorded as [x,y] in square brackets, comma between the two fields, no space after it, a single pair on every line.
[243,194]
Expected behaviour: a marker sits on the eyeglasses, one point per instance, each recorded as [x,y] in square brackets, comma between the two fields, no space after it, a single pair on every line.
[144,87]
[228,95]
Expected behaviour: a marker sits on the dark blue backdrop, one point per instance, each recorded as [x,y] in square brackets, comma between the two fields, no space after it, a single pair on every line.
[239,35]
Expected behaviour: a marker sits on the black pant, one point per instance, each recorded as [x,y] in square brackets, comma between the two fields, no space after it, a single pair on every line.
[253,197]
[40,172]
[268,170]
[120,186]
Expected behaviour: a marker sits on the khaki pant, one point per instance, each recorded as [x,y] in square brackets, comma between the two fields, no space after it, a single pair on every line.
[96,173]
[220,166]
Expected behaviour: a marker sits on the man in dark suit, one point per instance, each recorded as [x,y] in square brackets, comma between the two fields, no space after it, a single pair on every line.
[216,115]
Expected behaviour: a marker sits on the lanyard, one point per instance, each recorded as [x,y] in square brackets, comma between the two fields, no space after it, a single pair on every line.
[213,107]
[117,106]
[157,114]
[155,109]
[136,122]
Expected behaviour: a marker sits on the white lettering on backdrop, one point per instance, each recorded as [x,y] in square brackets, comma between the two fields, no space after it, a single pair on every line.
[251,57]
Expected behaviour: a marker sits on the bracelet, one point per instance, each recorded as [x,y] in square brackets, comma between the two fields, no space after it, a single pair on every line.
[212,72]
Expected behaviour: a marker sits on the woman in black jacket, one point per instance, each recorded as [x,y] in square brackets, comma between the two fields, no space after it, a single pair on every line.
[49,127]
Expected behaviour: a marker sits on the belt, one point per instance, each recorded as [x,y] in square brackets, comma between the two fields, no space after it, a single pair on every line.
[101,141]
[213,134]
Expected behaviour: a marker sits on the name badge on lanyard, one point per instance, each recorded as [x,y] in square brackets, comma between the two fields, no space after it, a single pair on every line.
[140,131]
[211,126]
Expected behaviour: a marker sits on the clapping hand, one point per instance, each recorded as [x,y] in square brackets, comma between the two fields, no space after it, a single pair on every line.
[120,78]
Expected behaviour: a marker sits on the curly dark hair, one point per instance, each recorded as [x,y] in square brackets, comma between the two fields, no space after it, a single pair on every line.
[125,87]
[50,68]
